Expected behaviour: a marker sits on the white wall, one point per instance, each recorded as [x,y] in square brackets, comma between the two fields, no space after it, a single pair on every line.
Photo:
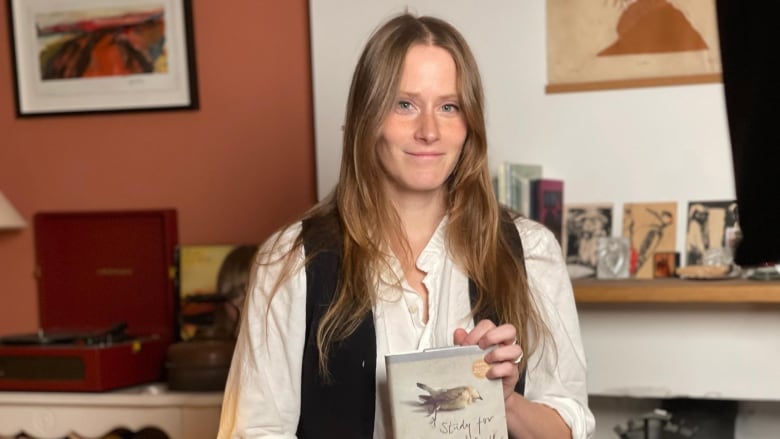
[721,351]
[634,145]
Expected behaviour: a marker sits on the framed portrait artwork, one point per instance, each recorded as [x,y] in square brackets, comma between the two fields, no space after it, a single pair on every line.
[585,224]
[711,232]
[88,56]
[631,43]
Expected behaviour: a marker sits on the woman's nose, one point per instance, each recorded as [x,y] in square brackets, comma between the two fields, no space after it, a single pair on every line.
[427,127]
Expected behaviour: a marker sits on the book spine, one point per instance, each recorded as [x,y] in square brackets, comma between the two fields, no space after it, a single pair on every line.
[524,199]
[548,204]
[536,200]
[508,191]
[502,183]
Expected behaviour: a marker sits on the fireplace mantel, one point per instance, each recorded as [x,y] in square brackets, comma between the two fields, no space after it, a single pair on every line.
[676,291]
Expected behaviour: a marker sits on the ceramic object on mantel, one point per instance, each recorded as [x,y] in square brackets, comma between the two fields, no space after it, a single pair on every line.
[202,363]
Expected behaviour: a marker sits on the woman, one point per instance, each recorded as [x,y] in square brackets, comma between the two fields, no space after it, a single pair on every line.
[383,265]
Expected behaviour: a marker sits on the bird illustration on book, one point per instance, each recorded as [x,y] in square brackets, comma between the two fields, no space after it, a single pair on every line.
[454,398]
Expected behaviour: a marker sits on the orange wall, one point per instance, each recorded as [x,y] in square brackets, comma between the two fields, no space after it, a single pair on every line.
[236,169]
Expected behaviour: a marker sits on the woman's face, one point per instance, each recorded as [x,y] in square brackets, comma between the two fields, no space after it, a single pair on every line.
[423,135]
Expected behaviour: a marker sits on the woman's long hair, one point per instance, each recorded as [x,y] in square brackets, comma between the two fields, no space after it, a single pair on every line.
[368,221]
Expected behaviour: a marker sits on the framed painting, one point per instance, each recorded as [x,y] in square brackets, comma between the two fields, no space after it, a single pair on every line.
[88,56]
[585,224]
[665,264]
[650,229]
[631,43]
[212,283]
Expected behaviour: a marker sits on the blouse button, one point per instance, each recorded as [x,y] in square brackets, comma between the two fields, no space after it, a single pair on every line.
[413,309]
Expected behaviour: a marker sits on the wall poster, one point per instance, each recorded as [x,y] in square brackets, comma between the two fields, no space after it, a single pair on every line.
[630,43]
[89,56]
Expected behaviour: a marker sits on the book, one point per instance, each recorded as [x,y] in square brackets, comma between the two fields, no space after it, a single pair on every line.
[444,393]
[547,204]
[518,185]
[500,184]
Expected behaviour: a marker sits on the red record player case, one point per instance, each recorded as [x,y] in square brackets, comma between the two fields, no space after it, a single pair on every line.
[94,270]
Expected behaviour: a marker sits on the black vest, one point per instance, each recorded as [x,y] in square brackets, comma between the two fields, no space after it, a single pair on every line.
[344,408]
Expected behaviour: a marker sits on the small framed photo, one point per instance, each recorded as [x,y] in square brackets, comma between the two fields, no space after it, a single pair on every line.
[89,56]
[665,264]
[712,225]
[585,224]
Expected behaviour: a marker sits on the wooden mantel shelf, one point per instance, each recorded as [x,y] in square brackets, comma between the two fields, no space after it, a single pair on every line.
[676,291]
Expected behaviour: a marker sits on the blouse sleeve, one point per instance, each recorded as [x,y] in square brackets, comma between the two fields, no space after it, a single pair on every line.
[557,369]
[262,393]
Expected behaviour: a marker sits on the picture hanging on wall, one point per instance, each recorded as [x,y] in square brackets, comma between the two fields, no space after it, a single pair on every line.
[630,43]
[88,56]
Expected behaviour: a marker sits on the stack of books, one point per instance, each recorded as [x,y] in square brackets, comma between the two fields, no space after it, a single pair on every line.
[522,188]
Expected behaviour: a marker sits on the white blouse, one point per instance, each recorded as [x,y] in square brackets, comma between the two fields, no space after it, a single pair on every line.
[262,394]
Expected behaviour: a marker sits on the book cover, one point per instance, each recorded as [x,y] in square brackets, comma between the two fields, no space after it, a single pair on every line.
[547,204]
[711,225]
[650,228]
[443,393]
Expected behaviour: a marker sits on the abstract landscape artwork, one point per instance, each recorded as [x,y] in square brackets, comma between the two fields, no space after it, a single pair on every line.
[101,42]
[86,56]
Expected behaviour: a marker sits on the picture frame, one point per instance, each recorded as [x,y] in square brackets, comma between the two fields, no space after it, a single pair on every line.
[631,43]
[96,56]
[665,264]
[650,228]
[211,282]
[711,228]
[585,224]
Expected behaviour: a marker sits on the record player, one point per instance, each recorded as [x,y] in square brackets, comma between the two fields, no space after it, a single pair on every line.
[107,302]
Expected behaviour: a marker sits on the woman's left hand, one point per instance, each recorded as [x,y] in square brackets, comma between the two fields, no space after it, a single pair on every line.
[502,359]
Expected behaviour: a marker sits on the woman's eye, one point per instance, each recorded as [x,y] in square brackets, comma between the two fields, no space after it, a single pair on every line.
[449,108]
[405,105]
